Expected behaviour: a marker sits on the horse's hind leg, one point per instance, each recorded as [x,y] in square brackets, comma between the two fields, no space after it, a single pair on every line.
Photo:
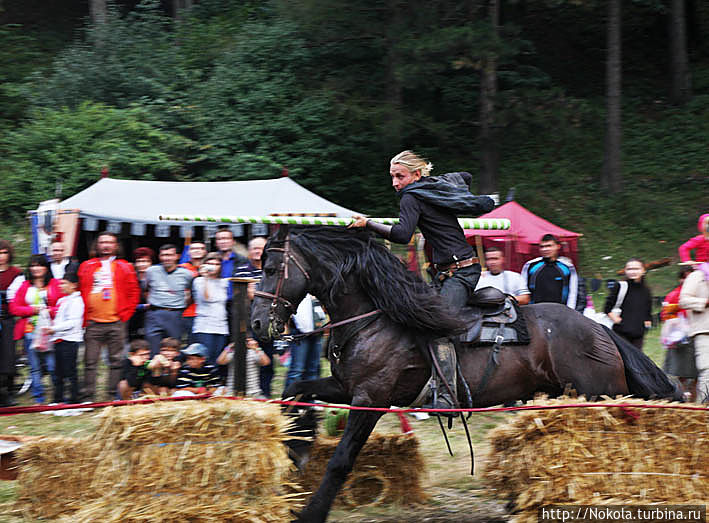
[359,426]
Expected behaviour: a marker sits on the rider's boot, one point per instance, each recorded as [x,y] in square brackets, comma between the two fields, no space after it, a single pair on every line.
[444,353]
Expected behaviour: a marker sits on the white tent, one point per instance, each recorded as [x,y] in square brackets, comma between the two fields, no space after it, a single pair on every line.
[138,201]
[131,206]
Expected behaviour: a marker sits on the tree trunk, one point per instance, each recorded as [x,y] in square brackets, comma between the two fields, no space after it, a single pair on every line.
[97,11]
[681,81]
[394,89]
[611,177]
[180,5]
[489,151]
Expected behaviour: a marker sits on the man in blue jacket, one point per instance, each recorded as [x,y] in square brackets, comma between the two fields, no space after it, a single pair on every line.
[551,278]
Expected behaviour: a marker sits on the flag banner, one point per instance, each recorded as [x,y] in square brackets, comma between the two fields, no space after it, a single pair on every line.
[137,229]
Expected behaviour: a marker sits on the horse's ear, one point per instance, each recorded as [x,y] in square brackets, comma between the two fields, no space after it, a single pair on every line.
[282,232]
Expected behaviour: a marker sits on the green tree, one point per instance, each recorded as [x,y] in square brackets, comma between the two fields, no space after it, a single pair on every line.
[71,146]
[265,108]
[137,61]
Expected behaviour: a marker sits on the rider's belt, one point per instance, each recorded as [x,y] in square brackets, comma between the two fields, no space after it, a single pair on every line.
[458,264]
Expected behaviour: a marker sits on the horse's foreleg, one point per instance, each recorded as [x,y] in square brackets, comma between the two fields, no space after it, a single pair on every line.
[323,389]
[305,421]
[359,426]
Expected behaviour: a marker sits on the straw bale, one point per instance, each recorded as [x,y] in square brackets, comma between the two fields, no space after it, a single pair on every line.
[387,470]
[56,475]
[229,454]
[599,456]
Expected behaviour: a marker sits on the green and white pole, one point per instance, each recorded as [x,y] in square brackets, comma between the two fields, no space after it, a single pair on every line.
[465,223]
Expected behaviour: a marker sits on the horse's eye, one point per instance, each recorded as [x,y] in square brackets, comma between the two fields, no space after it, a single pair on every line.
[270,271]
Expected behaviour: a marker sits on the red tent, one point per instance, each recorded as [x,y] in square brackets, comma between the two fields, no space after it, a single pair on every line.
[521,241]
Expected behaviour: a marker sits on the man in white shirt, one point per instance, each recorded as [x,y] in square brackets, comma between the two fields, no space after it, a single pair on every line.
[509,282]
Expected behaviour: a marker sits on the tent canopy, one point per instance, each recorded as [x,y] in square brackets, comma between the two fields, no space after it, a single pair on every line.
[140,201]
[521,241]
[131,208]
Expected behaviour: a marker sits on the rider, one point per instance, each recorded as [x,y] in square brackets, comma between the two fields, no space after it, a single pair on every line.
[432,203]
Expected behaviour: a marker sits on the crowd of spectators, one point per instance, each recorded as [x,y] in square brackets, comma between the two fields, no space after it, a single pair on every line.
[164,326]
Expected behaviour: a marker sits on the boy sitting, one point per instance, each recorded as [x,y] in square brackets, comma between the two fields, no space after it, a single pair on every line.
[135,369]
[196,376]
[164,368]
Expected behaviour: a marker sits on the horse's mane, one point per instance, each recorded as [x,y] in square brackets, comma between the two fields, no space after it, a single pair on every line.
[404,297]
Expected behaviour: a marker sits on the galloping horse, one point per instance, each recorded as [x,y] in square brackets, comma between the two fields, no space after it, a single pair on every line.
[376,359]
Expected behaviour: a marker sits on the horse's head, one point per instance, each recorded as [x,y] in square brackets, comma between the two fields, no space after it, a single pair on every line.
[284,284]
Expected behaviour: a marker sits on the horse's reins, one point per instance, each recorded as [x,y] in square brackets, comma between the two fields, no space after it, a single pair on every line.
[329,325]
[276,298]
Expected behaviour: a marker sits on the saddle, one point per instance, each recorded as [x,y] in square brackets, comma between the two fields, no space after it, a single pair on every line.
[492,317]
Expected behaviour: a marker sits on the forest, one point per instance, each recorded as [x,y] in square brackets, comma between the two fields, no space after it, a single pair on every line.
[591,113]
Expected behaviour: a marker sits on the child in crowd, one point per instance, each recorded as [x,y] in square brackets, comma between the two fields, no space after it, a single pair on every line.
[255,358]
[196,376]
[699,244]
[135,369]
[67,332]
[164,368]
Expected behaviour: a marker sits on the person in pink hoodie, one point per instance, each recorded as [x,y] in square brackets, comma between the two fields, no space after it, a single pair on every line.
[699,244]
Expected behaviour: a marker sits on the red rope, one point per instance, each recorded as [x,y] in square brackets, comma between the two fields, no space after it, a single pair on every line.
[9,411]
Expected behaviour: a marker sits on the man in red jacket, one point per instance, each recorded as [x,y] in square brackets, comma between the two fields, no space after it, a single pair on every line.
[110,291]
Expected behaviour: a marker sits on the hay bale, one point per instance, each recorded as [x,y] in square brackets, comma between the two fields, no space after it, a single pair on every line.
[231,446]
[387,470]
[599,456]
[56,475]
[227,457]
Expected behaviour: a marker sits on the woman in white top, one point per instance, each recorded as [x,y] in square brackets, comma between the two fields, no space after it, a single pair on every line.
[209,292]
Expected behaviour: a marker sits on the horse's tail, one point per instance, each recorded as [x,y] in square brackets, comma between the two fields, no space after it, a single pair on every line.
[644,378]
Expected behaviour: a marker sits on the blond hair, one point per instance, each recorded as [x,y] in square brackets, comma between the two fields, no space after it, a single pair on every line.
[413,162]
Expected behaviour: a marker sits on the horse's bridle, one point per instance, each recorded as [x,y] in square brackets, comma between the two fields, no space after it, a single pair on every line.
[282,277]
[277,298]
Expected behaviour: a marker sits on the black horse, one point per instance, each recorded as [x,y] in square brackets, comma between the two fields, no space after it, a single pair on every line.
[376,361]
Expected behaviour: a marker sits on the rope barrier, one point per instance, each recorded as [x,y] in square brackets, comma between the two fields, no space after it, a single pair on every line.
[627,407]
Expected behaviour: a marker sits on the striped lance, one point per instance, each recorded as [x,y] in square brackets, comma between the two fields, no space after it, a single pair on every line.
[465,223]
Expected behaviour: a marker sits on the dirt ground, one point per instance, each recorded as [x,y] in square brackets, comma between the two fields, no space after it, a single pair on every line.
[444,505]
[454,495]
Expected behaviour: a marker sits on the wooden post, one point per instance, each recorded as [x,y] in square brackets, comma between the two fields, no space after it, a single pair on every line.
[240,307]
[481,251]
